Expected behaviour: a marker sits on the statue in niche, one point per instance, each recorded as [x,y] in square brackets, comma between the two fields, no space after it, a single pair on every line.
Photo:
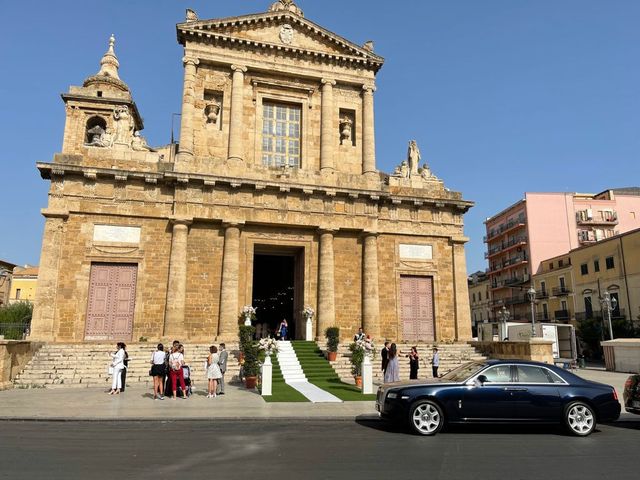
[212,113]
[139,143]
[95,136]
[123,126]
[345,131]
[413,156]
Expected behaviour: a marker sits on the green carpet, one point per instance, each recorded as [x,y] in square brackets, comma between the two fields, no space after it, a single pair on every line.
[319,372]
[280,391]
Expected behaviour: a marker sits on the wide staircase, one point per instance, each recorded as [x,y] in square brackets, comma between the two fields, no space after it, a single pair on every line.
[451,356]
[58,365]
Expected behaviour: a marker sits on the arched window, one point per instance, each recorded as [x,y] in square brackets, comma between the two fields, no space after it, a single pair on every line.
[96,127]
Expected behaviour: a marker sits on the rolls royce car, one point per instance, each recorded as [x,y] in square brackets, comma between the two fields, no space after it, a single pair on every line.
[499,391]
[631,394]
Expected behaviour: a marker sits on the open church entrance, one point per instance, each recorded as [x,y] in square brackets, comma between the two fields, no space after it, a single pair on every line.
[277,290]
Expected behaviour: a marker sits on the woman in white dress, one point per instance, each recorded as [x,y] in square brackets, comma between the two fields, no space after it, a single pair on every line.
[213,371]
[392,373]
[118,365]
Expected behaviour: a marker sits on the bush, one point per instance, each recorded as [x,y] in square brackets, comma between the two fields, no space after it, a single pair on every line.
[15,320]
[332,334]
[249,349]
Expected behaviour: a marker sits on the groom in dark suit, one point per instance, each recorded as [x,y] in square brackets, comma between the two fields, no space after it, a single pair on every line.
[222,363]
[384,354]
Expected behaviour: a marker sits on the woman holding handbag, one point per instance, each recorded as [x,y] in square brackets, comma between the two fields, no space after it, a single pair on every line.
[117,364]
[176,362]
[158,372]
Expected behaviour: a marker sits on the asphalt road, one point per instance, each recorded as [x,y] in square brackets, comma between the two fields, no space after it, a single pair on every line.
[277,449]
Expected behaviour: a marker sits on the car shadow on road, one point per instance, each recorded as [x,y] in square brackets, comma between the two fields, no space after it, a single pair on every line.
[477,429]
[628,424]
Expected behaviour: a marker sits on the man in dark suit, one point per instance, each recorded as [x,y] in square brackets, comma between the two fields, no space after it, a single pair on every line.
[384,354]
[222,363]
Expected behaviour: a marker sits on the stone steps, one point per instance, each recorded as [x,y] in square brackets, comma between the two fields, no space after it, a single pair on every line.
[81,365]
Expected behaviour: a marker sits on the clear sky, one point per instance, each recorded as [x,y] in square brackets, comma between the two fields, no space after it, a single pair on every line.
[503,96]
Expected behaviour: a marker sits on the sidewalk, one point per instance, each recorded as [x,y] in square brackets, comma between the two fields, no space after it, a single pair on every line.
[91,404]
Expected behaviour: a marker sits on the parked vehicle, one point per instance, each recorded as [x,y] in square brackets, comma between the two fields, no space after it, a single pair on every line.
[631,394]
[500,391]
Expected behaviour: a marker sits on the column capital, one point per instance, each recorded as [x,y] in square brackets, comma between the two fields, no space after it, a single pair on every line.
[328,81]
[231,224]
[323,230]
[370,233]
[239,68]
[190,61]
[180,221]
[368,89]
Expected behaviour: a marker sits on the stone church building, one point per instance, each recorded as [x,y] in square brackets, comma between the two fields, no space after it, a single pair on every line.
[271,198]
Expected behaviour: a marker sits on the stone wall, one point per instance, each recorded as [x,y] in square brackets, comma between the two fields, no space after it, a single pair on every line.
[535,349]
[14,356]
[622,355]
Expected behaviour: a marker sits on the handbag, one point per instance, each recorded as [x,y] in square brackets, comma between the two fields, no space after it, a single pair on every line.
[110,369]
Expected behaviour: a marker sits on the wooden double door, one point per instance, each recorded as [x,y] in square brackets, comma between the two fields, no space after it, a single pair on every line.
[416,308]
[111,304]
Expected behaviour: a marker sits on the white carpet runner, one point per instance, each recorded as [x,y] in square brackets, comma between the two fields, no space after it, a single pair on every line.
[295,377]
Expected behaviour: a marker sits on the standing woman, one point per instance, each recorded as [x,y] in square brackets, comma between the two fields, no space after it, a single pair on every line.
[213,371]
[176,362]
[392,374]
[283,330]
[118,365]
[158,372]
[413,364]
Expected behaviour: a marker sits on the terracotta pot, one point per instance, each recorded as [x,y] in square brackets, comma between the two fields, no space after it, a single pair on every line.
[251,382]
[331,356]
[358,382]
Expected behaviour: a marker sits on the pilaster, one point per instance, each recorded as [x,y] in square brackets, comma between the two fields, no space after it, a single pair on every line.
[188,106]
[229,311]
[326,284]
[237,107]
[177,286]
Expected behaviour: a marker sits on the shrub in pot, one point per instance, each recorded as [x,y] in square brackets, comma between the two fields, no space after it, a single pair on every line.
[332,334]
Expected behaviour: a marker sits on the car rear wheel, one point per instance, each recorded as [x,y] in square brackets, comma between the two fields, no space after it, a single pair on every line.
[426,418]
[580,419]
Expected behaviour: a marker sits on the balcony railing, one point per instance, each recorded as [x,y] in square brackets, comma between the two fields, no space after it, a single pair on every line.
[616,314]
[560,291]
[542,317]
[561,315]
[517,299]
[503,228]
[542,294]
[505,246]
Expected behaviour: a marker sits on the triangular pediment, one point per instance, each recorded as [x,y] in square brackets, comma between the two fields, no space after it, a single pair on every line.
[283,31]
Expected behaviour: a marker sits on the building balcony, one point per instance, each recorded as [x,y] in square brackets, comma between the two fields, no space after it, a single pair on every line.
[542,317]
[581,316]
[505,246]
[541,295]
[517,299]
[504,228]
[561,315]
[560,291]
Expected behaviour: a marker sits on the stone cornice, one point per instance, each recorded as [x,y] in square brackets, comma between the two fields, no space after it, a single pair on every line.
[380,197]
[204,29]
[66,97]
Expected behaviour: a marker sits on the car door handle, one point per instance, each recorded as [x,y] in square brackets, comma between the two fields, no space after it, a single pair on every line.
[514,389]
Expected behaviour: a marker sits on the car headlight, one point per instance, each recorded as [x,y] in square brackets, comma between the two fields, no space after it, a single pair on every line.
[392,395]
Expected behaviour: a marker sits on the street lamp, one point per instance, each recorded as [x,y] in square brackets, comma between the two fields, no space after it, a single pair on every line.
[503,315]
[532,298]
[609,303]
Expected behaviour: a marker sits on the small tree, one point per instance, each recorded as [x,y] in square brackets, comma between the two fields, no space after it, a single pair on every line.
[332,334]
[249,349]
[15,320]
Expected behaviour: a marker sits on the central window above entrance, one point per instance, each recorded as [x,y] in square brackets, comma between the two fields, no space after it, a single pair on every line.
[281,134]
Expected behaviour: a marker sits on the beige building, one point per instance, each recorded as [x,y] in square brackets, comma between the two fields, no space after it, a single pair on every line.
[23,284]
[272,199]
[555,290]
[479,299]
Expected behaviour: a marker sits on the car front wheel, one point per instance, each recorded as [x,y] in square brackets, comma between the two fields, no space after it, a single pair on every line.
[426,418]
[580,419]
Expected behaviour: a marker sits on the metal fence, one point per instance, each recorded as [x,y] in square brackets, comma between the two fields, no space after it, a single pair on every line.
[15,331]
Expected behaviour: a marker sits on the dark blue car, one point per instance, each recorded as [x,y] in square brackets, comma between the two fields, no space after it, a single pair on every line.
[500,391]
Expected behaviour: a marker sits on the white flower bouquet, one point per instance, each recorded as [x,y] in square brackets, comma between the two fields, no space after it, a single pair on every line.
[269,345]
[308,312]
[249,312]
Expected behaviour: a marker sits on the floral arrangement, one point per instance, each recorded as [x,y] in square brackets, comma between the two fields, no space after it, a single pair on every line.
[359,349]
[308,312]
[269,345]
[248,312]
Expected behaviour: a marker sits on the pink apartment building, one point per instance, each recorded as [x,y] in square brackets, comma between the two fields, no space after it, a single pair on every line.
[545,225]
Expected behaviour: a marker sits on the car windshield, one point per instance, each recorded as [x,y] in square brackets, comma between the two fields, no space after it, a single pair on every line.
[463,371]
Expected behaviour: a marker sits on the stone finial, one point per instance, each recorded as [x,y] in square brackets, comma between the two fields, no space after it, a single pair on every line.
[368,45]
[109,63]
[287,6]
[191,15]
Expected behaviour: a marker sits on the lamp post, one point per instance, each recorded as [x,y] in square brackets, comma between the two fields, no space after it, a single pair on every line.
[503,315]
[609,303]
[532,298]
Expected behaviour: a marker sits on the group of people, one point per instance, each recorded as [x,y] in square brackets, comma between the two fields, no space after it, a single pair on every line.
[390,358]
[281,333]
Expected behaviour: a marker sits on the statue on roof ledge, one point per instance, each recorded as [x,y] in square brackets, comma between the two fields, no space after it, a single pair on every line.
[287,6]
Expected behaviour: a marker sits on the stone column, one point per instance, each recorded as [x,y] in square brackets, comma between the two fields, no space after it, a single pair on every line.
[326,285]
[177,287]
[229,310]
[460,290]
[368,131]
[370,303]
[328,131]
[44,309]
[188,105]
[237,111]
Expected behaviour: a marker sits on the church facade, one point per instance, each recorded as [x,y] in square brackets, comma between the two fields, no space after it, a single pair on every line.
[271,198]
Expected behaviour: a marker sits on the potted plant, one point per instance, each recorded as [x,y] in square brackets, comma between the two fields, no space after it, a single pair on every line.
[332,334]
[249,355]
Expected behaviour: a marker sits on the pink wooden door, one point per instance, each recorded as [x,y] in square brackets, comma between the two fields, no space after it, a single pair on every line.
[112,293]
[416,309]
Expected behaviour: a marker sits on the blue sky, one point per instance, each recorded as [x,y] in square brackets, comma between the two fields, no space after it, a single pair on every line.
[503,96]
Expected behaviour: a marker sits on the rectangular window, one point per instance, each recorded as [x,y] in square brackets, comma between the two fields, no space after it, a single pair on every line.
[281,135]
[560,263]
[474,298]
[609,263]
[18,292]
[562,285]
[551,266]
[584,269]
[596,265]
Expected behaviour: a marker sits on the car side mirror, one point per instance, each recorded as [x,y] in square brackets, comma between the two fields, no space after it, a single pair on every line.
[480,380]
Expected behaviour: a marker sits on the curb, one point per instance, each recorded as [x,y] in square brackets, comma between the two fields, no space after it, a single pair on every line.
[244,419]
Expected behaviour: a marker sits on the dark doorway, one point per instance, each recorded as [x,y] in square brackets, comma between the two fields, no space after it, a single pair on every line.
[274,292]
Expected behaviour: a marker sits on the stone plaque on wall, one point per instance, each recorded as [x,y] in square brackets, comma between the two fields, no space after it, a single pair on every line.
[416,252]
[116,234]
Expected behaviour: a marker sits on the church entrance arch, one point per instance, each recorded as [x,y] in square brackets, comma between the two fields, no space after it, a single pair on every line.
[278,289]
